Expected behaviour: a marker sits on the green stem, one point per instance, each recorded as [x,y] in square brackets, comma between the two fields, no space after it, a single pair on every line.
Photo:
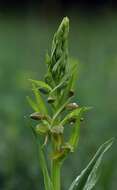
[56,175]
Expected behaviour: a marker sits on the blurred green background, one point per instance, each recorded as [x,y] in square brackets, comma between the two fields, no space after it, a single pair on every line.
[25,37]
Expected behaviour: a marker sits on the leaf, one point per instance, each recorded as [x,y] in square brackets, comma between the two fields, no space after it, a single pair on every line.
[74,70]
[88,177]
[32,104]
[65,95]
[41,84]
[60,86]
[43,165]
[74,138]
[47,180]
[58,112]
[39,100]
[87,108]
[56,66]
[47,59]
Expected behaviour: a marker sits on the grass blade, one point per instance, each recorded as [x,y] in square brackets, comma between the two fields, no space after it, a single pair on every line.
[41,105]
[88,177]
[41,84]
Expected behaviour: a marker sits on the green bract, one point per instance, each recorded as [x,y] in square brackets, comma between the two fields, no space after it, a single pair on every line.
[54,111]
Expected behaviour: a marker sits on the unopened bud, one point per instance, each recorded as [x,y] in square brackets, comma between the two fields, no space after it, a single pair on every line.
[72,106]
[68,147]
[57,129]
[51,100]
[41,129]
[38,116]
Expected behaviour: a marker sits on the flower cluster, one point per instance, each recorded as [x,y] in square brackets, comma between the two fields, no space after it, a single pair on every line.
[57,90]
[55,111]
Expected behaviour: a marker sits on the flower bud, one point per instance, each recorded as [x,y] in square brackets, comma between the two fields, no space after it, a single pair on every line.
[68,147]
[42,129]
[38,116]
[51,100]
[57,129]
[72,106]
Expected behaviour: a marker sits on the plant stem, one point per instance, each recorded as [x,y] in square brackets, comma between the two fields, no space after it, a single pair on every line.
[56,175]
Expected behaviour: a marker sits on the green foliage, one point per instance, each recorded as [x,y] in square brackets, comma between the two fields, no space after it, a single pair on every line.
[94,45]
[62,113]
[89,176]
